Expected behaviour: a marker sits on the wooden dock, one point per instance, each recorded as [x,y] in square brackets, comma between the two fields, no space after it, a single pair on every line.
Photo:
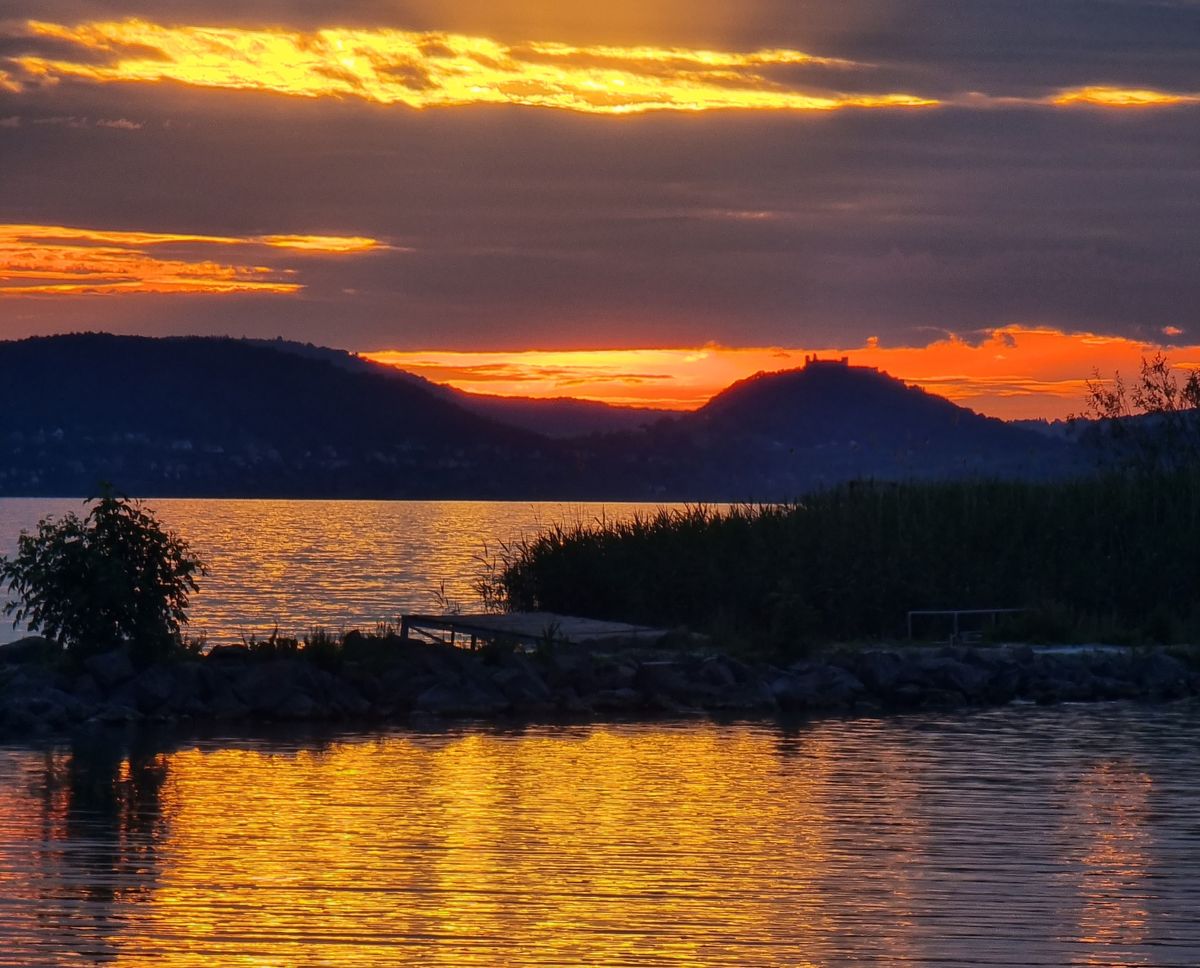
[527,628]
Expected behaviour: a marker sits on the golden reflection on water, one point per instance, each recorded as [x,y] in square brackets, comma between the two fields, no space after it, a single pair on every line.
[1114,799]
[578,846]
[953,840]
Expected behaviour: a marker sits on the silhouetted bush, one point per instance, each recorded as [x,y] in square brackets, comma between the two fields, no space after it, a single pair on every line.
[115,577]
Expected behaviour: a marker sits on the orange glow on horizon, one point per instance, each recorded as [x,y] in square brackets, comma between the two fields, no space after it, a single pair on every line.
[50,260]
[1015,372]
[423,69]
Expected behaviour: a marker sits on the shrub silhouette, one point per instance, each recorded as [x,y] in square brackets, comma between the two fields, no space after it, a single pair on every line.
[115,577]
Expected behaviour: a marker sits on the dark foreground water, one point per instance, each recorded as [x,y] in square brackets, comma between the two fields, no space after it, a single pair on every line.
[1021,836]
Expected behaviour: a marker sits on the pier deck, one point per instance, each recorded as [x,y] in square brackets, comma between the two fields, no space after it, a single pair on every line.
[528,628]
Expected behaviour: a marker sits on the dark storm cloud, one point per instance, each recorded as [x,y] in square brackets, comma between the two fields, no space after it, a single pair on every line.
[517,227]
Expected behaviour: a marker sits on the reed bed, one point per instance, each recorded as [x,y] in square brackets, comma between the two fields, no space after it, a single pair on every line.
[1114,557]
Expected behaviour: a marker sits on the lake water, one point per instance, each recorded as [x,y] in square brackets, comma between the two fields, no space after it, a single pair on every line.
[330,564]
[1019,836]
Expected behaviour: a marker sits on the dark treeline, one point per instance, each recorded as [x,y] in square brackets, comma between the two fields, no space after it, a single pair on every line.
[1113,557]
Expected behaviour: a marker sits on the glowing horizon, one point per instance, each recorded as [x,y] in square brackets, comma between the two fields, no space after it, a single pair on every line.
[1014,372]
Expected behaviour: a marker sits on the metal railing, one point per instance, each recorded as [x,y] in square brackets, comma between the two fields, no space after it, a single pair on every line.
[957,635]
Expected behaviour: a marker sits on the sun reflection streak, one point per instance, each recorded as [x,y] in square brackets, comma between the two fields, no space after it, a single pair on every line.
[597,841]
[1115,864]
[1004,835]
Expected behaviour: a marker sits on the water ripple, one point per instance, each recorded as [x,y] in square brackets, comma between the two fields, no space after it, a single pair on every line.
[1021,836]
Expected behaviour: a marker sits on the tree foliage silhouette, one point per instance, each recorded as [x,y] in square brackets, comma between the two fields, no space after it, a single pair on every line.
[115,577]
[1153,422]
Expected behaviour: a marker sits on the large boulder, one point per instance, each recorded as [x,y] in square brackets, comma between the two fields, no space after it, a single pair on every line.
[44,708]
[809,685]
[948,674]
[622,700]
[880,671]
[31,648]
[469,699]
[223,703]
[116,713]
[399,688]
[153,688]
[345,701]
[85,688]
[110,669]
[1004,672]
[720,672]
[568,666]
[616,673]
[268,687]
[190,690]
[662,678]
[751,696]
[1163,676]
[222,654]
[298,705]
[523,688]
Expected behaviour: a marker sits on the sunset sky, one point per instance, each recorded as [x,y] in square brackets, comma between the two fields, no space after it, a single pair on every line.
[635,202]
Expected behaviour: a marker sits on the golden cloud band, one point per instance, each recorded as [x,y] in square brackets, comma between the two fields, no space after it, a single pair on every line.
[431,69]
[47,260]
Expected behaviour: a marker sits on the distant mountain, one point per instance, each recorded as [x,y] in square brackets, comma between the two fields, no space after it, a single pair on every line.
[780,434]
[221,416]
[559,416]
[1060,429]
[215,417]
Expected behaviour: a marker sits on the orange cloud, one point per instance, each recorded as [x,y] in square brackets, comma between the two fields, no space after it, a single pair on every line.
[1014,372]
[319,243]
[423,69]
[1117,97]
[428,69]
[47,260]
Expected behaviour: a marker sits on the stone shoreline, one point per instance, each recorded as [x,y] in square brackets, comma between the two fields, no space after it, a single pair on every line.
[389,680]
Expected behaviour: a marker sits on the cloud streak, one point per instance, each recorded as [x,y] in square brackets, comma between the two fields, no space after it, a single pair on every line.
[55,260]
[431,69]
[1117,97]
[425,69]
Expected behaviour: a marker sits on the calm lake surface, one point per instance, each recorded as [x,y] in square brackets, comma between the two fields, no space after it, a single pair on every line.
[1020,836]
[330,564]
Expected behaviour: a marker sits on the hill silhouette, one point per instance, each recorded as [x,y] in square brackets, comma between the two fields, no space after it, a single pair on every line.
[777,435]
[225,417]
[220,416]
[831,402]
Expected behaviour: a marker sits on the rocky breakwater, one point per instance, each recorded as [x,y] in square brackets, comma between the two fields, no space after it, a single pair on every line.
[387,679]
